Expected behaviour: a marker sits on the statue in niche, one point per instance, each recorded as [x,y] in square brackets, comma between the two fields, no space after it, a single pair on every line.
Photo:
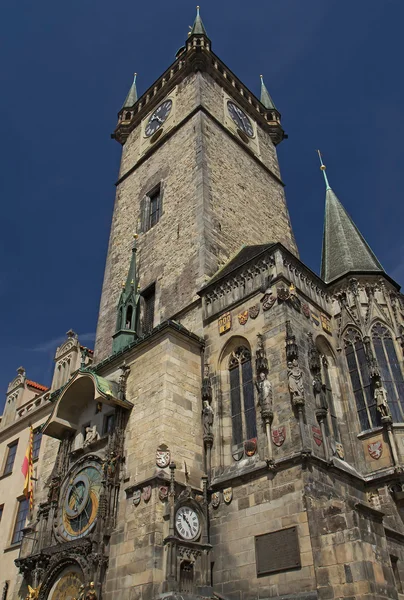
[207,418]
[380,396]
[91,435]
[295,380]
[265,395]
[110,465]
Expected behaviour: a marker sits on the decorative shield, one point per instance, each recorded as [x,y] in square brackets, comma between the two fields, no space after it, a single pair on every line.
[162,456]
[250,447]
[315,318]
[228,495]
[237,452]
[146,493]
[339,449]
[325,323]
[279,435]
[163,492]
[317,435]
[243,317]
[254,311]
[268,300]
[215,499]
[306,310]
[283,293]
[137,494]
[224,323]
[375,449]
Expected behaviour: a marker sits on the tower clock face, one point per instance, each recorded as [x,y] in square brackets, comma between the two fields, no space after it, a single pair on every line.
[240,118]
[187,523]
[157,119]
[79,501]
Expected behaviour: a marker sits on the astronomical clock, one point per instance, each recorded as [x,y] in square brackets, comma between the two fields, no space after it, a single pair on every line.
[79,501]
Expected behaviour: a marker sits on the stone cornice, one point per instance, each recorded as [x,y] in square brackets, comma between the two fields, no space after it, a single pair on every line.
[25,421]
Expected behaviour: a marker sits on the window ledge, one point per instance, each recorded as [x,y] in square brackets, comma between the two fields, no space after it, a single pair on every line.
[6,475]
[12,547]
[369,432]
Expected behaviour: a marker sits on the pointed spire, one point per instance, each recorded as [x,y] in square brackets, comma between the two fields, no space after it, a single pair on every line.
[266,99]
[344,248]
[131,98]
[131,280]
[198,27]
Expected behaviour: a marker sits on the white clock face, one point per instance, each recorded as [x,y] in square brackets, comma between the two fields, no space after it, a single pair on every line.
[187,523]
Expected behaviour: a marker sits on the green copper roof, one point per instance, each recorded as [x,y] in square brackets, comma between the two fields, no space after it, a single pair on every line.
[131,280]
[344,248]
[198,27]
[266,99]
[131,98]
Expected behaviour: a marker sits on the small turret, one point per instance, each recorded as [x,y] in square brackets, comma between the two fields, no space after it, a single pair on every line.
[197,37]
[127,323]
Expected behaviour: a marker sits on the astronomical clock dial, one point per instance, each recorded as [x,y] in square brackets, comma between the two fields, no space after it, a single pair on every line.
[187,523]
[79,501]
[67,586]
[158,117]
[240,118]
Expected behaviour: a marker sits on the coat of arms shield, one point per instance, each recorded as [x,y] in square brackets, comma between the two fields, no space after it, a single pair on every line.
[215,499]
[228,495]
[162,456]
[254,311]
[250,447]
[163,492]
[375,449]
[317,435]
[243,317]
[136,497]
[146,493]
[279,435]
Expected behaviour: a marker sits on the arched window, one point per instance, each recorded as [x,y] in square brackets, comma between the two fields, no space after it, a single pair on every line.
[390,370]
[128,321]
[332,415]
[243,417]
[128,116]
[360,380]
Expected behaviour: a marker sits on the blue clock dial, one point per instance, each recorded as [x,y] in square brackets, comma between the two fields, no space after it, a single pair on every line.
[240,118]
[157,119]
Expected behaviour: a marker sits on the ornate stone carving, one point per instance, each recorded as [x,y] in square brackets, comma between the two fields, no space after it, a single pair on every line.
[92,435]
[206,390]
[295,381]
[207,419]
[265,396]
[261,361]
[382,406]
[91,594]
[123,378]
[292,351]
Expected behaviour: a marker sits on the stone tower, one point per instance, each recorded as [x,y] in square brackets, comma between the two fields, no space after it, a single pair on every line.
[240,434]
[199,177]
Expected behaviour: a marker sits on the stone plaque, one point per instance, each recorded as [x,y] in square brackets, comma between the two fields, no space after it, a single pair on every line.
[277,551]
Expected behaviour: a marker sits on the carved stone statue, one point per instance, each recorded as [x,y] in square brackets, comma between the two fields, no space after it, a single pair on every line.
[54,489]
[381,400]
[110,465]
[82,592]
[91,435]
[295,379]
[207,418]
[265,394]
[91,594]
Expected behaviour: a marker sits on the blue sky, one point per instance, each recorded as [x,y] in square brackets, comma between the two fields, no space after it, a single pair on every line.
[334,69]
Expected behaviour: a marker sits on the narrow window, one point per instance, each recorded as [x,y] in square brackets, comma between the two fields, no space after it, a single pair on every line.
[149,296]
[397,580]
[154,207]
[36,444]
[129,314]
[128,116]
[390,370]
[150,209]
[11,452]
[21,517]
[1,511]
[330,400]
[360,380]
[244,424]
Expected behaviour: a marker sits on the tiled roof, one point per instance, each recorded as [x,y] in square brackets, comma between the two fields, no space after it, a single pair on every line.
[36,385]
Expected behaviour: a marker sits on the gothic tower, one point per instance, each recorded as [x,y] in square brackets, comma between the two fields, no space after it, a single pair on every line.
[199,177]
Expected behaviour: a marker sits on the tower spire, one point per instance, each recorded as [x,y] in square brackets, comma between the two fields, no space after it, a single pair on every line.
[198,27]
[131,98]
[345,250]
[266,99]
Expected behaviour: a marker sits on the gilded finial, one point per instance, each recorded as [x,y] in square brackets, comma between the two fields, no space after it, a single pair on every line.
[132,282]
[323,168]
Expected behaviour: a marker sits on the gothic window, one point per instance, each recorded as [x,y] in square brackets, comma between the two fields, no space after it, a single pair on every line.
[360,380]
[109,422]
[150,209]
[390,370]
[36,444]
[243,417]
[332,415]
[119,321]
[128,116]
[129,314]
[11,452]
[21,517]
